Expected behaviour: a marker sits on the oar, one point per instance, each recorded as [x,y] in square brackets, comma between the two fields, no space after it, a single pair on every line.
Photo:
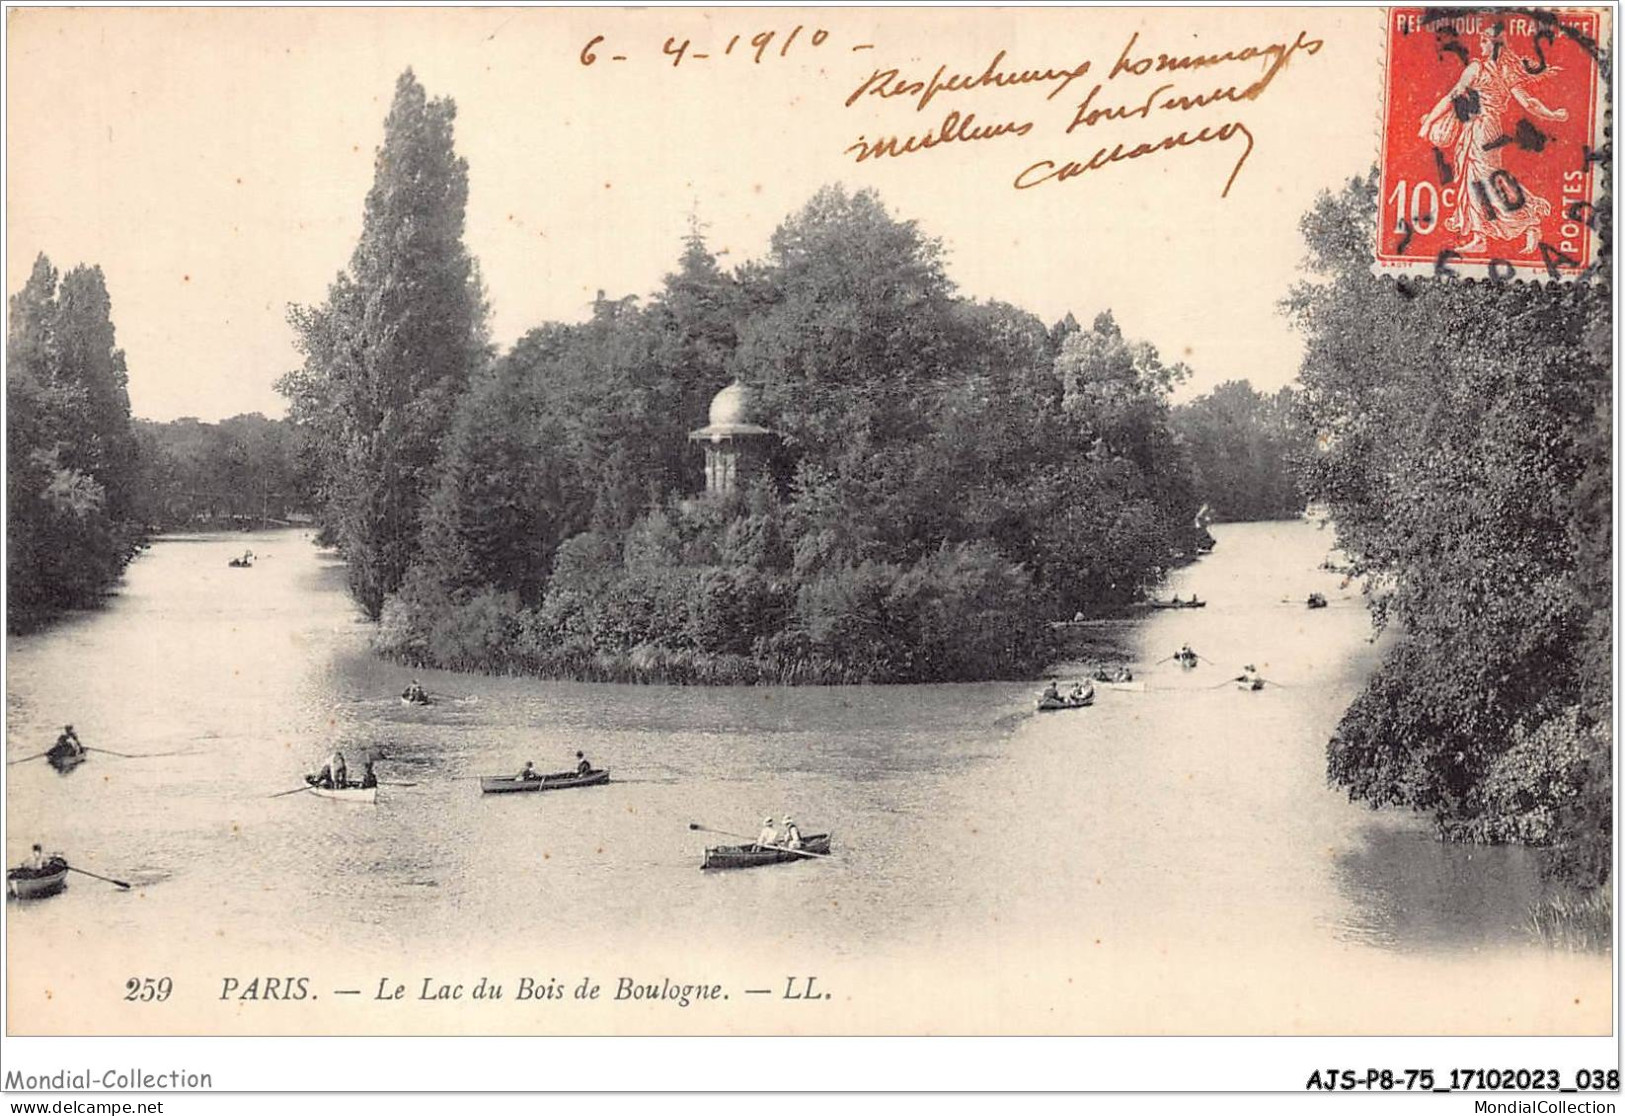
[137,755]
[751,840]
[295,790]
[438,695]
[25,759]
[104,879]
[1260,677]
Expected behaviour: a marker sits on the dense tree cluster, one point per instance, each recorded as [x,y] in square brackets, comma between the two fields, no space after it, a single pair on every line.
[943,475]
[71,522]
[1465,451]
[245,470]
[1245,449]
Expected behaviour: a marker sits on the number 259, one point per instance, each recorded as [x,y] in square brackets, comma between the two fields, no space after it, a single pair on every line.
[146,990]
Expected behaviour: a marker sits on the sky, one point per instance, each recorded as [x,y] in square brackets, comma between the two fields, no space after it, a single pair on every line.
[214,162]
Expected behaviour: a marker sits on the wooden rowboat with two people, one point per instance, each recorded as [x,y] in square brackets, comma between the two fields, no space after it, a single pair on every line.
[749,856]
[1177,603]
[37,883]
[559,780]
[1050,702]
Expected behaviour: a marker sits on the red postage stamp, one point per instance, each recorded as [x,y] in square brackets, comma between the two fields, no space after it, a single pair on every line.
[1492,124]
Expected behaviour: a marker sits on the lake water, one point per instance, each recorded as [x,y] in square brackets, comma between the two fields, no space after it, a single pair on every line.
[1167,861]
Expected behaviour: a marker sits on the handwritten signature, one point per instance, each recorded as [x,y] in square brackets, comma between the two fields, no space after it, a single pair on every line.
[1045,170]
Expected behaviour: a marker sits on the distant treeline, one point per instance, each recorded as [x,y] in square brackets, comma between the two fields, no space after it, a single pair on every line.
[71,516]
[244,471]
[84,483]
[943,475]
[1465,451]
[1245,449]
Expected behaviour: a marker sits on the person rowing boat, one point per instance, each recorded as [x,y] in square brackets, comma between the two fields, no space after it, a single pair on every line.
[38,876]
[768,838]
[333,775]
[67,746]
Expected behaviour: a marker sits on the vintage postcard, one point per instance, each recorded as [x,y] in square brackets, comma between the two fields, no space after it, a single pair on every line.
[809,522]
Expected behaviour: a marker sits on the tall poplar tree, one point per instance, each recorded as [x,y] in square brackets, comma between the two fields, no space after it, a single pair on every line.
[92,369]
[394,346]
[71,473]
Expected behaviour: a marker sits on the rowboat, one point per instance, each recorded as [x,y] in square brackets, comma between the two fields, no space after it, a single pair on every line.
[364,795]
[354,792]
[1317,600]
[559,780]
[1050,705]
[1177,603]
[37,883]
[1249,684]
[64,759]
[749,856]
[416,701]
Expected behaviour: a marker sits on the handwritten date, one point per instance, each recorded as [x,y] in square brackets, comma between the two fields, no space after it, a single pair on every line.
[756,46]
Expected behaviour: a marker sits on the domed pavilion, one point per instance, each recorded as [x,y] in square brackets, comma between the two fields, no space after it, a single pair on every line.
[727,439]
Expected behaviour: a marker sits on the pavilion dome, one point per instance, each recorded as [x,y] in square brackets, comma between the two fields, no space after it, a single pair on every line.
[728,407]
